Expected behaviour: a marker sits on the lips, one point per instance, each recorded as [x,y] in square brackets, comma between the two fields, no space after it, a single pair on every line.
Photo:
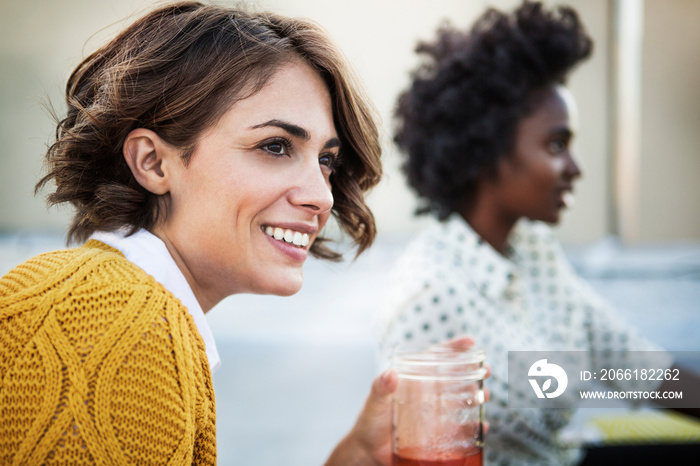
[287,235]
[566,197]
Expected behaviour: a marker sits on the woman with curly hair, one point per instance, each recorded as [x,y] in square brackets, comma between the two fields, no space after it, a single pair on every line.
[204,149]
[486,127]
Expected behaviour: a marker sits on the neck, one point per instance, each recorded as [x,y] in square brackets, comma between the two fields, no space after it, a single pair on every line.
[205,297]
[490,224]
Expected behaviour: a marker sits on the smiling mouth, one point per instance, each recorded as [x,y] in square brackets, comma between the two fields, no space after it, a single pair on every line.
[568,199]
[288,236]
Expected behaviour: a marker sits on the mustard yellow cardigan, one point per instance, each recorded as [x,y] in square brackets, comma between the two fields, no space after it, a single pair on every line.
[99,363]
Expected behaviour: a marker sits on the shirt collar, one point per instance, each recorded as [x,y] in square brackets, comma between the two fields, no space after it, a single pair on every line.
[149,253]
[490,271]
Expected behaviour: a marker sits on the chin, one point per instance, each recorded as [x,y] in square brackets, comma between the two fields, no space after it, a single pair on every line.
[552,219]
[282,287]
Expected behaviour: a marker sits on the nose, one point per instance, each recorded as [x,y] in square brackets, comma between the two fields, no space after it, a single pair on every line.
[312,190]
[572,168]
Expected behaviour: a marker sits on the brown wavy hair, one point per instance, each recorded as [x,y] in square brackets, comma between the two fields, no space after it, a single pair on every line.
[176,71]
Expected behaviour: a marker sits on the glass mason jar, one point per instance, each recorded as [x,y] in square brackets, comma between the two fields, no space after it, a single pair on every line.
[438,408]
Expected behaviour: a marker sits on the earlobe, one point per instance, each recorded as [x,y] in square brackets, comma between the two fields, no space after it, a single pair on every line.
[146,154]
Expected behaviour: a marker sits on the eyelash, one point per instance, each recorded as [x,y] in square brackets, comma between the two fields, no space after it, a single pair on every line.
[556,146]
[284,142]
[335,159]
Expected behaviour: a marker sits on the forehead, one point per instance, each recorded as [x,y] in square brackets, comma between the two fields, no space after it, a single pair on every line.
[293,84]
[295,93]
[554,106]
[553,114]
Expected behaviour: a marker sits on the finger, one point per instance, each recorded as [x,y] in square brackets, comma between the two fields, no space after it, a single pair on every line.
[373,425]
[385,384]
[487,394]
[379,398]
[488,372]
[461,342]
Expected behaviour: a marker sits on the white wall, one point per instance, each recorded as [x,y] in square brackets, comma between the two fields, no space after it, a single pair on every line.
[670,155]
[40,43]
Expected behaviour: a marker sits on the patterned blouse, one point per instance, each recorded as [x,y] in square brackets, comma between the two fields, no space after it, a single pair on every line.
[450,282]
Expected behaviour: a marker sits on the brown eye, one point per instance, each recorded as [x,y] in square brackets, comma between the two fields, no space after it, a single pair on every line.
[329,160]
[326,160]
[556,146]
[277,147]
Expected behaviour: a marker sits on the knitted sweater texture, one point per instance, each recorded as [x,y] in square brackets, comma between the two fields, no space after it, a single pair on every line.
[100,364]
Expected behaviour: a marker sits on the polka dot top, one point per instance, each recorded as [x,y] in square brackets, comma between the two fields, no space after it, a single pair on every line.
[450,282]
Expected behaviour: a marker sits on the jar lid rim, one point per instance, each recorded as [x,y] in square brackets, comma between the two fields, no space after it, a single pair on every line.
[437,355]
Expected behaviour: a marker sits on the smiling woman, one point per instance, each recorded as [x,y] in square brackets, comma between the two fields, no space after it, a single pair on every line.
[204,150]
[266,164]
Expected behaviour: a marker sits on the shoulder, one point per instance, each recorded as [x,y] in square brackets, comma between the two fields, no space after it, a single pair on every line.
[87,268]
[427,260]
[436,249]
[432,274]
[88,293]
[56,266]
[130,348]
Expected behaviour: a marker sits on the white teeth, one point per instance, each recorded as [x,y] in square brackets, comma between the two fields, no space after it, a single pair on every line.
[288,236]
[297,239]
[569,199]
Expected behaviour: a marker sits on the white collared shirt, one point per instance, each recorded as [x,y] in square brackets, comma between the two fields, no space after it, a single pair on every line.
[450,282]
[148,252]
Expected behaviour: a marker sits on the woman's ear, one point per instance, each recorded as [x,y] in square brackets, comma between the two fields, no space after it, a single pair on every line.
[148,157]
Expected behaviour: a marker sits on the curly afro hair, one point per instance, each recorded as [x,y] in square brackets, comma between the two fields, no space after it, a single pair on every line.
[461,111]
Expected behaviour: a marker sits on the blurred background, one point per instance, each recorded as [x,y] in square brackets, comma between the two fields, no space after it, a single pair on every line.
[296,370]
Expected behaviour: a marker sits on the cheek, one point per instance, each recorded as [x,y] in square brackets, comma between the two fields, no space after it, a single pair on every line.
[547,172]
[557,165]
[202,189]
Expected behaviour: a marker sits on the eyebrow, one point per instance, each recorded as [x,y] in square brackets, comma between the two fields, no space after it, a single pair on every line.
[332,143]
[296,131]
[562,131]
